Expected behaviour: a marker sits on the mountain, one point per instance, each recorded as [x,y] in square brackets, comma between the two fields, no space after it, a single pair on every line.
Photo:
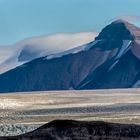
[110,61]
[124,69]
[31,48]
[81,130]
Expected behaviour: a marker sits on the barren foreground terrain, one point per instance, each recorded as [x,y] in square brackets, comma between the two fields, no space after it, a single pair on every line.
[22,112]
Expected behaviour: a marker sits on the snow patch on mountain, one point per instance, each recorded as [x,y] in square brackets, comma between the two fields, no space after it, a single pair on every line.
[114,64]
[137,84]
[72,51]
[124,48]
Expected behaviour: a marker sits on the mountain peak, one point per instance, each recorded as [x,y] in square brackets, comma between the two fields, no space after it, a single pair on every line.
[131,27]
[120,21]
[120,30]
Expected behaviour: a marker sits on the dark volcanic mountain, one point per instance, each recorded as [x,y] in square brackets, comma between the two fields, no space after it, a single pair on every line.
[111,61]
[76,130]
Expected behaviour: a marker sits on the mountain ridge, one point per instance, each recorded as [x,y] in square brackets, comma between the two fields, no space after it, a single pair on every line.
[127,30]
[111,61]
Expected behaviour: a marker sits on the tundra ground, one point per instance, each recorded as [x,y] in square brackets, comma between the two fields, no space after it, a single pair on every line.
[22,112]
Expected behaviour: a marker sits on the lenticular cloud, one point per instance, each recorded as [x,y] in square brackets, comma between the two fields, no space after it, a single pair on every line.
[31,48]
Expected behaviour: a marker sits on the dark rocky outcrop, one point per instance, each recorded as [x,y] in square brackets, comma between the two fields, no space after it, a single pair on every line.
[117,30]
[81,130]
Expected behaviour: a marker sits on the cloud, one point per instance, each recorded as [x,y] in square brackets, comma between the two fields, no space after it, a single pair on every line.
[130,18]
[54,43]
[59,41]
[41,46]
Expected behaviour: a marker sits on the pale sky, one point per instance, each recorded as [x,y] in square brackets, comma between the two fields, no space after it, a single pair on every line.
[20,19]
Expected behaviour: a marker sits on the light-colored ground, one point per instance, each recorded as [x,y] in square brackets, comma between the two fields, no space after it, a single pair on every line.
[26,111]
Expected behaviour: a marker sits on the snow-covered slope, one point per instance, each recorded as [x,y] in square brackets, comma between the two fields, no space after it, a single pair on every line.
[75,50]
[31,48]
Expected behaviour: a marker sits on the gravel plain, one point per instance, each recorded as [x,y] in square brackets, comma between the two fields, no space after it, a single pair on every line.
[23,112]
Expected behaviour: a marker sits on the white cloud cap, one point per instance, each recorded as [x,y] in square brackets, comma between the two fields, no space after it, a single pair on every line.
[35,47]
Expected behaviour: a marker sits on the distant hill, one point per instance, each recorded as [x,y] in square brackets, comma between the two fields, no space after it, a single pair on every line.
[81,130]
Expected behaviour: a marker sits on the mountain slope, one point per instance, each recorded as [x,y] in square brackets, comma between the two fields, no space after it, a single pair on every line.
[54,74]
[111,61]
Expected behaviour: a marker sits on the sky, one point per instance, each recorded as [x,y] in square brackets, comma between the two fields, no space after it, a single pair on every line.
[21,19]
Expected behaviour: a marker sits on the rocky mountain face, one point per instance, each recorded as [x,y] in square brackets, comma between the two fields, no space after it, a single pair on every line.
[122,71]
[111,61]
[76,130]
